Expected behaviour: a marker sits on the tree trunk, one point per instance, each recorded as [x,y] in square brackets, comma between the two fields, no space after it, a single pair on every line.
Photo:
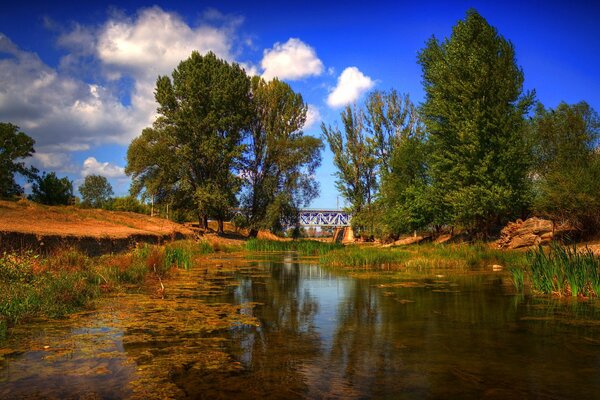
[253,233]
[205,222]
[220,231]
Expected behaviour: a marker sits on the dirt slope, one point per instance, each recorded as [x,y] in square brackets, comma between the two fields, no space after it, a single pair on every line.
[28,217]
[27,225]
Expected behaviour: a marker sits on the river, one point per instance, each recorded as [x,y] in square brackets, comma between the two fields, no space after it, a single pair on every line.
[282,327]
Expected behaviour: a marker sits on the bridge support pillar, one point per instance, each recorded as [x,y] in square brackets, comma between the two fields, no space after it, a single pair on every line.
[343,234]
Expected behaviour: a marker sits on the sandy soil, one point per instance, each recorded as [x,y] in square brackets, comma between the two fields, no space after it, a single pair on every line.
[28,217]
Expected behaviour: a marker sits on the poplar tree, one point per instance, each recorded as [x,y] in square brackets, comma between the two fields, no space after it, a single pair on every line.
[193,148]
[280,161]
[474,111]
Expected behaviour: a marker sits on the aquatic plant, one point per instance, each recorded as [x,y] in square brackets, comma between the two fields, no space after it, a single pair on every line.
[303,247]
[564,271]
[364,257]
[518,278]
[179,257]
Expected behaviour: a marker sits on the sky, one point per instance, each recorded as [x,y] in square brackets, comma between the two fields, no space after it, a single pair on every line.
[79,77]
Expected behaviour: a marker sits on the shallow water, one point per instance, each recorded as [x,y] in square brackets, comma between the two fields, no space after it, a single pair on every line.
[283,327]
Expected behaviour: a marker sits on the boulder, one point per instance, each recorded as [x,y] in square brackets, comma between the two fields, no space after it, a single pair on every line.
[528,233]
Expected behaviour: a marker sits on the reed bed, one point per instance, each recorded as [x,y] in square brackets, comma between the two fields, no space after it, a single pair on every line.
[303,247]
[563,271]
[364,257]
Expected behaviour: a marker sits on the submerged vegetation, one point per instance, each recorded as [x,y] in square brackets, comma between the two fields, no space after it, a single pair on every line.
[33,286]
[561,271]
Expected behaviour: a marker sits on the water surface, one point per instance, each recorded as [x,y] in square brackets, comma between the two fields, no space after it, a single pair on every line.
[285,328]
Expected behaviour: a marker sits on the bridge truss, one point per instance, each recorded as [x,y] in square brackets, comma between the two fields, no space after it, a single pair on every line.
[324,218]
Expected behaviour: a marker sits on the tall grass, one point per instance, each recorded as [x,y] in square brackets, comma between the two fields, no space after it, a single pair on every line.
[564,271]
[364,257]
[303,247]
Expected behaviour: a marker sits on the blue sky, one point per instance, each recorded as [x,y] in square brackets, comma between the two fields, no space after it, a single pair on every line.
[78,77]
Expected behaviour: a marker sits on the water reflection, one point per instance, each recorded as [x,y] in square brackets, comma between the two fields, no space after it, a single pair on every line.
[329,336]
[320,335]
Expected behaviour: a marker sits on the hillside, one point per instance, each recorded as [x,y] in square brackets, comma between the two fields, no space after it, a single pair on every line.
[25,224]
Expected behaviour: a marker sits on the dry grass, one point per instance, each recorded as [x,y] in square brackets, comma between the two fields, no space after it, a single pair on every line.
[28,217]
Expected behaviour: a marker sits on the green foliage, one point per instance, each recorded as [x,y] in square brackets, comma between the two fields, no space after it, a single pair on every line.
[188,156]
[127,203]
[95,191]
[280,161]
[50,190]
[567,164]
[474,112]
[14,146]
[179,257]
[354,156]
[303,247]
[564,271]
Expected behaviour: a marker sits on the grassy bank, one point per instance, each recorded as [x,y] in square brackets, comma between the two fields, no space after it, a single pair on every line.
[68,280]
[303,247]
[560,271]
[427,256]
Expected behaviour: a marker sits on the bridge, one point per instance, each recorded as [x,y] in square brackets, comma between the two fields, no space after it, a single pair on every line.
[335,218]
[318,217]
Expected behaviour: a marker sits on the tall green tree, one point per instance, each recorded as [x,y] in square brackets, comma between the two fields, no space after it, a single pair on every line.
[474,111]
[14,147]
[566,166]
[95,191]
[354,156]
[204,110]
[51,190]
[280,160]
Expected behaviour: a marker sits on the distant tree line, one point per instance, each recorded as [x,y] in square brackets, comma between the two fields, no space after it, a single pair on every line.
[475,154]
[47,188]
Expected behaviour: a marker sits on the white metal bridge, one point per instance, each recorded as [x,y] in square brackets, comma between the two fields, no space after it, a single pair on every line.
[324,218]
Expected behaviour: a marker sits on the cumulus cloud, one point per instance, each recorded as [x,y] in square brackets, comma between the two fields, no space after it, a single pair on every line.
[91,166]
[155,41]
[83,103]
[56,109]
[291,60]
[313,117]
[351,85]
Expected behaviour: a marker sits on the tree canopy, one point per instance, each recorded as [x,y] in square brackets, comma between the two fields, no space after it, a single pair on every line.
[14,147]
[566,165]
[51,190]
[474,111]
[280,161]
[192,148]
[95,191]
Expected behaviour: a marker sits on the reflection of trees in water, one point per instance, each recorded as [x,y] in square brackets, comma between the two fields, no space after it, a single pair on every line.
[272,355]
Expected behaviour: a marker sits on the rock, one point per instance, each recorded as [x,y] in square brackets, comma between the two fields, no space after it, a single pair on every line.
[529,233]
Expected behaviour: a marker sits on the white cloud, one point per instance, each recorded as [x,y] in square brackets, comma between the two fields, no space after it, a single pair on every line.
[156,41]
[313,117]
[80,104]
[91,166]
[291,60]
[351,85]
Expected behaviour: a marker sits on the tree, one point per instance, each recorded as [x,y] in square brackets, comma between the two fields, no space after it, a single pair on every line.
[354,158]
[566,166]
[280,160]
[95,191]
[14,146]
[191,151]
[51,190]
[474,111]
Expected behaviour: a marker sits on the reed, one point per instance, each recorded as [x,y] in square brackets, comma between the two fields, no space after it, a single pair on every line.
[564,271]
[303,247]
[364,257]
